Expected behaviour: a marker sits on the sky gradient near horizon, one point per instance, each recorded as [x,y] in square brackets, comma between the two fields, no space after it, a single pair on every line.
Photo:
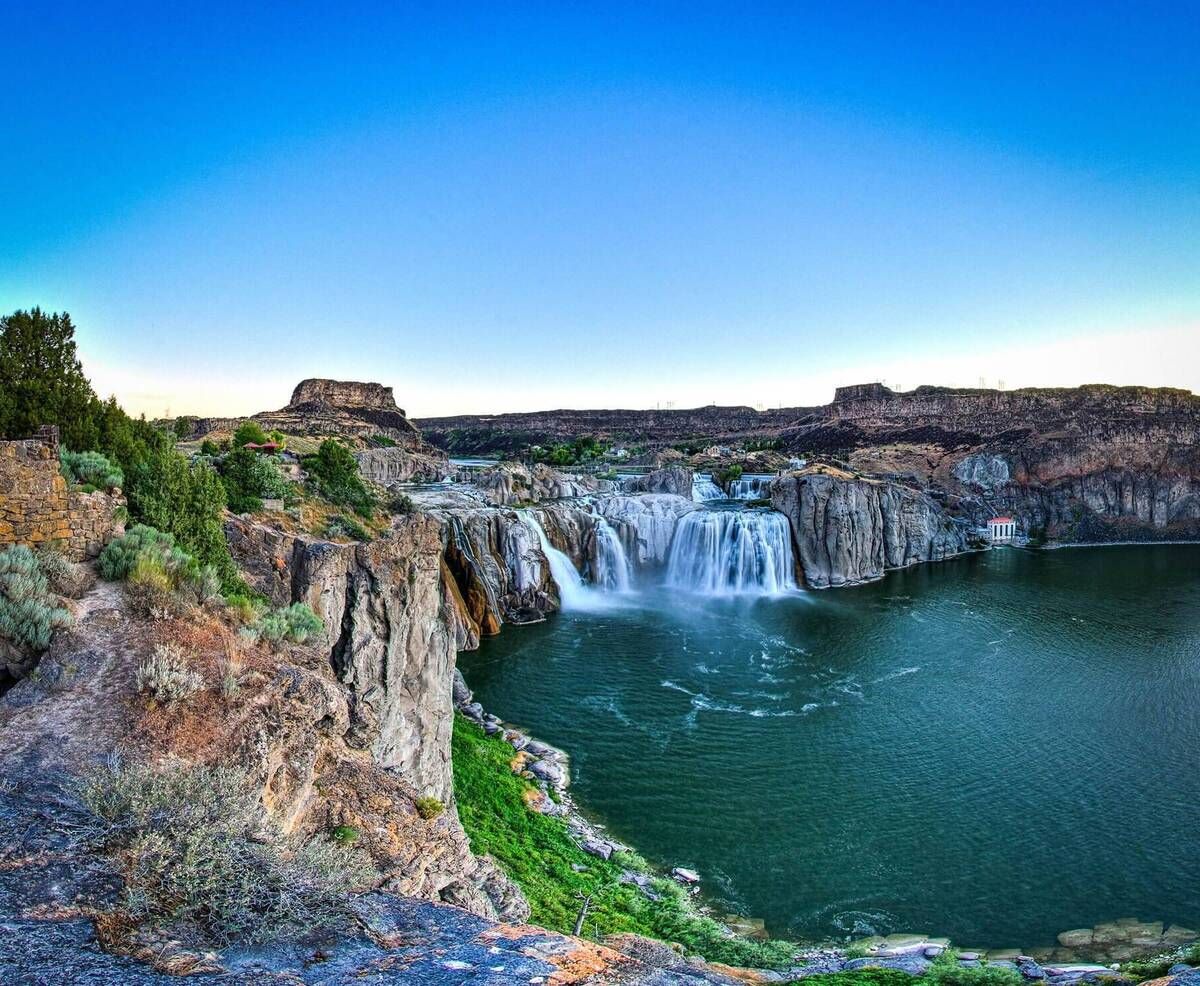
[495,207]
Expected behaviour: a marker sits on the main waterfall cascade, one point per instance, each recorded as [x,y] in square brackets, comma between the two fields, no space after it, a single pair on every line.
[732,552]
[714,550]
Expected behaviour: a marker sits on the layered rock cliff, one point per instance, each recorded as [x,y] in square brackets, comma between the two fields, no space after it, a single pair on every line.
[848,529]
[1090,463]
[341,407]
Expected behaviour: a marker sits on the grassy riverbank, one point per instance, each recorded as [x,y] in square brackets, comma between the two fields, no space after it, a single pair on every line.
[538,853]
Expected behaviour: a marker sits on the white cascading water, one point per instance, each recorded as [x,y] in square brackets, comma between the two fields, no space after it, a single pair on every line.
[612,566]
[751,487]
[572,591]
[732,552]
[703,488]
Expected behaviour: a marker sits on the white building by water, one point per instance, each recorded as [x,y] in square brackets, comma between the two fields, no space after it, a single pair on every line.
[1001,529]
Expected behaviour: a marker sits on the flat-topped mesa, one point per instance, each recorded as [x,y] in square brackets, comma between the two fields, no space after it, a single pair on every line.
[342,407]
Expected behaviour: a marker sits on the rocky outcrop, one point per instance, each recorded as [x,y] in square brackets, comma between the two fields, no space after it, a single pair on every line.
[512,483]
[341,407]
[646,523]
[386,466]
[389,632]
[676,480]
[849,530]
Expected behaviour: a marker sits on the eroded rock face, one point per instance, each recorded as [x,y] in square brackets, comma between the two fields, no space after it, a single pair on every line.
[386,466]
[387,631]
[646,523]
[676,480]
[849,530]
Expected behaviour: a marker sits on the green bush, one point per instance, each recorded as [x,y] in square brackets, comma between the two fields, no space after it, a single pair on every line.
[295,623]
[429,807]
[400,504]
[167,493]
[726,475]
[334,474]
[166,676]
[90,469]
[339,526]
[203,863]
[538,853]
[162,577]
[945,971]
[29,612]
[249,432]
[210,448]
[381,441]
[249,478]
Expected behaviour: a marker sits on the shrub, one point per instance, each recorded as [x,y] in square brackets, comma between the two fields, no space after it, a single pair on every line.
[203,863]
[64,577]
[121,554]
[295,623]
[429,807]
[249,478]
[945,971]
[187,501]
[726,475]
[381,441]
[249,432]
[162,578]
[345,527]
[210,448]
[90,469]
[345,835]
[334,474]
[29,612]
[400,503]
[243,609]
[165,675]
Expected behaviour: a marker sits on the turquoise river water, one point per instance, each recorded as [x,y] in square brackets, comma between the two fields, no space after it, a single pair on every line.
[995,748]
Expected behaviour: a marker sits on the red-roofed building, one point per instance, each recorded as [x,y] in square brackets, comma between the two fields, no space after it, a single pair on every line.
[1002,528]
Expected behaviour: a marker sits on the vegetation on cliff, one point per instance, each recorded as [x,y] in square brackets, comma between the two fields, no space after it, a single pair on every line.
[556,876]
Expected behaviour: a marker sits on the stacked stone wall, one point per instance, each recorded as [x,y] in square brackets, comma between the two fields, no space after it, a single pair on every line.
[38,509]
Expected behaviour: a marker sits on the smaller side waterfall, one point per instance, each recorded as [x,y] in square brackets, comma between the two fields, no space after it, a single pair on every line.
[753,486]
[572,591]
[729,552]
[703,488]
[612,566]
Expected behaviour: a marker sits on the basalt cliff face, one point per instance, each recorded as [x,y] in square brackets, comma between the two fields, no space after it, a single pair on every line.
[1093,463]
[849,530]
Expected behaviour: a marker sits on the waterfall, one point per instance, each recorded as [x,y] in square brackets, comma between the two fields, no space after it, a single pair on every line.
[753,486]
[571,589]
[727,552]
[703,488]
[612,566]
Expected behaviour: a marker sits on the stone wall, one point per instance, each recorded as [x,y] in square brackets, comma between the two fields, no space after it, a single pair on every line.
[37,508]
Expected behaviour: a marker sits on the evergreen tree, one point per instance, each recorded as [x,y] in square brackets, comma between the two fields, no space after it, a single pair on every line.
[42,381]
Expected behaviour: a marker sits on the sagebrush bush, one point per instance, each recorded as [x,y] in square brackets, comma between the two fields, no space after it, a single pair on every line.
[64,577]
[295,623]
[162,578]
[29,611]
[91,469]
[204,862]
[346,527]
[166,675]
[429,807]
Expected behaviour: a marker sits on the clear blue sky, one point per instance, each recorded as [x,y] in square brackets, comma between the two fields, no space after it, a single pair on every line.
[515,206]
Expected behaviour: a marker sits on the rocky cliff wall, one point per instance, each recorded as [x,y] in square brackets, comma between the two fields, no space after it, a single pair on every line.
[849,530]
[386,466]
